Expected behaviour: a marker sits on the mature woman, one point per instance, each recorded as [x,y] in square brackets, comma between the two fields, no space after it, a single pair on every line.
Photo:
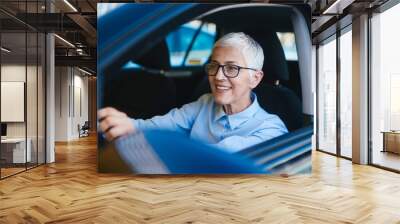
[230,117]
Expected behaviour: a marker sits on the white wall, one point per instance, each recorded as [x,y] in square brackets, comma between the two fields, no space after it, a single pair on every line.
[71,94]
[61,103]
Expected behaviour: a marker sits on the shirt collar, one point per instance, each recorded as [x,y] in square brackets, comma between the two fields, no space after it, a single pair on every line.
[219,112]
[237,119]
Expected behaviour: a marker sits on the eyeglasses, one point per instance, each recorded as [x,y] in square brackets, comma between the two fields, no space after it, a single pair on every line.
[229,70]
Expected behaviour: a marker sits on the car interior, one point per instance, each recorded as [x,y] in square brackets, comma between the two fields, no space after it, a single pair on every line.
[154,86]
[147,79]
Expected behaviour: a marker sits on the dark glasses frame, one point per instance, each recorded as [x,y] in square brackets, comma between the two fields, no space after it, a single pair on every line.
[206,67]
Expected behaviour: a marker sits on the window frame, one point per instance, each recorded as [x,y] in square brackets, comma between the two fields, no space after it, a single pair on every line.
[333,37]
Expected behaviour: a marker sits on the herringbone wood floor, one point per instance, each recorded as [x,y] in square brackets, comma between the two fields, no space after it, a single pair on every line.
[71,191]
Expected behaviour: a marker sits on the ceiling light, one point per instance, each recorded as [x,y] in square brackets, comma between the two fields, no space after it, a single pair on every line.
[338,6]
[70,5]
[84,71]
[326,11]
[64,40]
[5,50]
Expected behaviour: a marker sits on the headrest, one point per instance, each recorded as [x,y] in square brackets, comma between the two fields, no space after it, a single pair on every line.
[275,65]
[157,57]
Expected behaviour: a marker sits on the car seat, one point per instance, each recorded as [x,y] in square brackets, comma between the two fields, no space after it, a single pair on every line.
[274,97]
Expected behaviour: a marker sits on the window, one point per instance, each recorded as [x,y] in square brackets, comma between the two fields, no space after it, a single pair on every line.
[394,101]
[202,46]
[108,7]
[288,44]
[22,65]
[131,64]
[346,94]
[192,41]
[385,86]
[334,106]
[327,96]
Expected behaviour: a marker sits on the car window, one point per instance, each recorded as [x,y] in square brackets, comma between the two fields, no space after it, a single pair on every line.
[202,46]
[107,7]
[131,64]
[189,45]
[288,44]
[192,41]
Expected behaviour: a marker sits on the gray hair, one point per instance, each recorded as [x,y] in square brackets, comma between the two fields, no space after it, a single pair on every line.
[251,50]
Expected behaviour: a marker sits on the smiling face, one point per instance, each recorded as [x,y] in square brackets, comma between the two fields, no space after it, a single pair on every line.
[232,91]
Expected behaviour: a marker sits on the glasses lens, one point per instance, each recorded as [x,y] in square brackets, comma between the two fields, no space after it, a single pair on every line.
[231,70]
[212,68]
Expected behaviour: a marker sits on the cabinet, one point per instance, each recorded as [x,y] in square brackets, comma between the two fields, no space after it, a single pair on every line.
[391,141]
[13,150]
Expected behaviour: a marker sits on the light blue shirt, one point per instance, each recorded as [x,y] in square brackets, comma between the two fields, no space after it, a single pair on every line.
[206,121]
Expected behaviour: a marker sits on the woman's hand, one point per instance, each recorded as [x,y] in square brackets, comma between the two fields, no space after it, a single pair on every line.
[114,123]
